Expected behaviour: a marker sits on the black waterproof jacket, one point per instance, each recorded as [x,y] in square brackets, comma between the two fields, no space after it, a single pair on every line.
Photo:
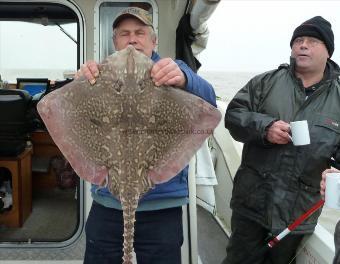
[275,184]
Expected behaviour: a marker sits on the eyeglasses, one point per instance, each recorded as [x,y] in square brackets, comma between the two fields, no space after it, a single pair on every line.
[312,42]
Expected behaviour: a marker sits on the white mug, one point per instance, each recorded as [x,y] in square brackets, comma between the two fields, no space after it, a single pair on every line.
[332,192]
[300,133]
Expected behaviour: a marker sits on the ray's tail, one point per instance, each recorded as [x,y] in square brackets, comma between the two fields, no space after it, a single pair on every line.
[129,206]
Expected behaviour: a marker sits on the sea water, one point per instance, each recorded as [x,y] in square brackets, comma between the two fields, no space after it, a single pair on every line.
[227,84]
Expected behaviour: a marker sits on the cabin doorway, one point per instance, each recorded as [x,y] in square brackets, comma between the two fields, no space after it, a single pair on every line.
[41,197]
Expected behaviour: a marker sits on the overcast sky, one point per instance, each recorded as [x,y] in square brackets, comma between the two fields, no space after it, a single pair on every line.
[254,36]
[248,36]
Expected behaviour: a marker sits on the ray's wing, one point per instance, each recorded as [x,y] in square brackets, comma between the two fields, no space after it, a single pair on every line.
[182,122]
[76,117]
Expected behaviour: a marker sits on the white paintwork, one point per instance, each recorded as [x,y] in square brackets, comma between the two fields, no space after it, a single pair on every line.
[317,248]
[193,217]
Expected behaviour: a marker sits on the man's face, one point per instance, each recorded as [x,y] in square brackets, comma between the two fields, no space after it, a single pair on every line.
[131,31]
[310,54]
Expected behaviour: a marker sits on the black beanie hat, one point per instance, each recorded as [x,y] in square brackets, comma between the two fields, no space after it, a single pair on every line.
[319,28]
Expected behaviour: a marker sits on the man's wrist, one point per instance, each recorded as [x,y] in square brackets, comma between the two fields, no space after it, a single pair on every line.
[183,82]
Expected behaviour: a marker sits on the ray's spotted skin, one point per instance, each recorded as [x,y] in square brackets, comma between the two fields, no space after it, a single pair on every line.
[126,133]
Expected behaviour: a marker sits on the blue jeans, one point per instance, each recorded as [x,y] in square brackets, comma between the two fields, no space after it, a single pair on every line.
[158,236]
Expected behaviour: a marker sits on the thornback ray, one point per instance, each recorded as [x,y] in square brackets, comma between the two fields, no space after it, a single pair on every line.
[124,132]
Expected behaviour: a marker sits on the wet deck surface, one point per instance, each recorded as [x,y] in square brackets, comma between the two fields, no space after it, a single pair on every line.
[212,241]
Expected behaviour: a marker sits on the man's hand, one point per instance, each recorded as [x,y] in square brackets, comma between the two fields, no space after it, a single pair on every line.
[89,70]
[323,181]
[278,133]
[167,72]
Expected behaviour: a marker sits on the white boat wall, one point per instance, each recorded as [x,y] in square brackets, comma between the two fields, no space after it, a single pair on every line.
[219,158]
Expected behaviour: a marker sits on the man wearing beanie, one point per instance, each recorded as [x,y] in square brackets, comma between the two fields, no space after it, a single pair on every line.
[319,28]
[278,181]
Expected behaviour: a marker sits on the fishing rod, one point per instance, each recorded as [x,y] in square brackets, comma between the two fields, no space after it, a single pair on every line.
[274,241]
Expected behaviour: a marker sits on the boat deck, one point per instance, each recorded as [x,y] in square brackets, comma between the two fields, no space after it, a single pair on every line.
[212,240]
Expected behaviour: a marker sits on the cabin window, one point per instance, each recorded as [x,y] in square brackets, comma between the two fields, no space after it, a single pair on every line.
[107,13]
[39,46]
[41,198]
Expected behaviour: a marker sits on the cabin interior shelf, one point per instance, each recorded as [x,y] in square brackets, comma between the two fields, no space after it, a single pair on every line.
[20,168]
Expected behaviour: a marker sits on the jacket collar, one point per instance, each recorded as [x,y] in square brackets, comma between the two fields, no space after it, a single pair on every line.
[155,57]
[332,70]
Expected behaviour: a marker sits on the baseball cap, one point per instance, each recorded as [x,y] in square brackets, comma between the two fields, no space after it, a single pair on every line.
[136,12]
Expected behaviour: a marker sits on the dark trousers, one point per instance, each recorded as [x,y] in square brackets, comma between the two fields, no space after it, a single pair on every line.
[158,236]
[249,237]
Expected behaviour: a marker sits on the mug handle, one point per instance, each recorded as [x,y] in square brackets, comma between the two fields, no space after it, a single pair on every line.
[289,134]
[291,138]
